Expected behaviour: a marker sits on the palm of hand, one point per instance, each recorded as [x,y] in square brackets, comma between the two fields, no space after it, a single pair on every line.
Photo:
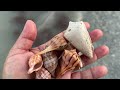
[16,64]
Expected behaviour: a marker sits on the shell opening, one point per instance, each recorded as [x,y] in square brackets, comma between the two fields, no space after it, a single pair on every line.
[35,68]
[38,65]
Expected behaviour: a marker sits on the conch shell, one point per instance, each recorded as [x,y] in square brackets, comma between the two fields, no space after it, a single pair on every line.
[56,43]
[50,61]
[42,74]
[35,63]
[78,36]
[70,60]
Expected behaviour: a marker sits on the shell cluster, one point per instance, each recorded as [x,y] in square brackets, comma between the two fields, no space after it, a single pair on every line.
[62,53]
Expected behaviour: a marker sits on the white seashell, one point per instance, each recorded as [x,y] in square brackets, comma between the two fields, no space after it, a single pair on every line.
[78,36]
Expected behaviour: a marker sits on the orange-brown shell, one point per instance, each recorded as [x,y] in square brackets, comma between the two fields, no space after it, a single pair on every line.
[56,43]
[35,63]
[69,61]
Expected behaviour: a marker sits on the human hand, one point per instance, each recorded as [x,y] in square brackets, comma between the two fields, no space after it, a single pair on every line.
[16,64]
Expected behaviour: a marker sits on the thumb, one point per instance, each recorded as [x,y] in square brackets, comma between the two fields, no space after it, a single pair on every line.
[27,37]
[67,75]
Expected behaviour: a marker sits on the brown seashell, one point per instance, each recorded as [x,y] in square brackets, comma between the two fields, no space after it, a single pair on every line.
[35,63]
[42,74]
[70,60]
[50,61]
[56,43]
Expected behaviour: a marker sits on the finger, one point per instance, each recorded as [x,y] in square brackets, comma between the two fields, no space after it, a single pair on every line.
[92,73]
[101,51]
[67,75]
[87,25]
[38,49]
[96,35]
[98,53]
[27,37]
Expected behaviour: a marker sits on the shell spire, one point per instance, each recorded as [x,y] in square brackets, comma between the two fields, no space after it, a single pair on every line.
[57,42]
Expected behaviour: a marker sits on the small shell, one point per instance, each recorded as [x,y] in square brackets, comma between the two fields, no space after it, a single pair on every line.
[57,42]
[70,61]
[78,36]
[35,63]
[50,61]
[42,74]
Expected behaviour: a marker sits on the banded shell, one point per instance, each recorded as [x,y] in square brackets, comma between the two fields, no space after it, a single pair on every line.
[70,61]
[78,36]
[58,42]
[50,61]
[42,74]
[35,63]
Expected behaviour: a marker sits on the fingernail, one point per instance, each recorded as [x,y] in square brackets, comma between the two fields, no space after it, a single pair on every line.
[26,24]
[104,49]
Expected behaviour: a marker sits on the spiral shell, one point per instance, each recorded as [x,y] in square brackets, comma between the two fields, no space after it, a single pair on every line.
[78,36]
[50,61]
[35,63]
[69,61]
[42,74]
